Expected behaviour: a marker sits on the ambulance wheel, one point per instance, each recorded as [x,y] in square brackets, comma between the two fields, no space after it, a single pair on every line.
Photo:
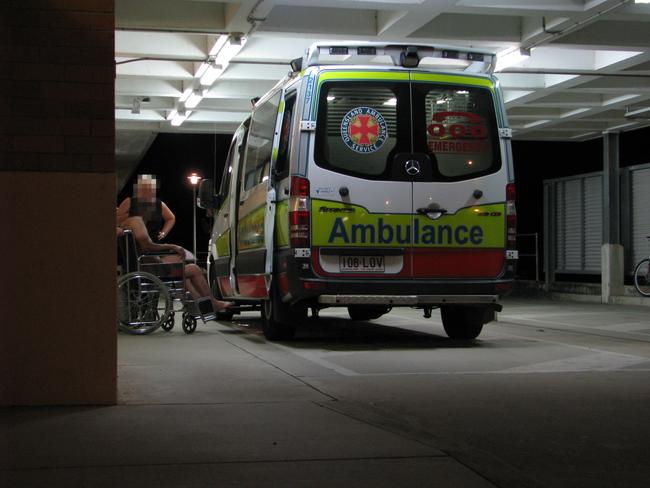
[462,323]
[363,312]
[189,323]
[168,324]
[279,318]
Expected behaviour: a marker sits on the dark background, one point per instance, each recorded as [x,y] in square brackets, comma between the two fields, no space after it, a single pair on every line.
[172,157]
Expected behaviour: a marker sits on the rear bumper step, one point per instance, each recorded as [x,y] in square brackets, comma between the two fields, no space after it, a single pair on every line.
[411,300]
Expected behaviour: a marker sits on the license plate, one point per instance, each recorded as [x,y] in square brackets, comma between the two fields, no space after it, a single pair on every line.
[362,264]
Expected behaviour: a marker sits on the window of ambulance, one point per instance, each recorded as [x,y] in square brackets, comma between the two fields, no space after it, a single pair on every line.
[361,126]
[260,143]
[282,161]
[224,189]
[456,126]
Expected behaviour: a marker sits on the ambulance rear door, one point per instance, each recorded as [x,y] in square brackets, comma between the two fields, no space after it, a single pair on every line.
[407,179]
[459,206]
[361,195]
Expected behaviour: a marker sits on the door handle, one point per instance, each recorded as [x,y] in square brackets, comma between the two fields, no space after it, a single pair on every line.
[427,210]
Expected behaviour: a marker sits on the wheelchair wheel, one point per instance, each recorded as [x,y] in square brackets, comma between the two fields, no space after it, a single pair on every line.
[189,323]
[169,323]
[143,303]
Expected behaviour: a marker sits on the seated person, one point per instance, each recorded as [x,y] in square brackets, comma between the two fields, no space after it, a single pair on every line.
[195,282]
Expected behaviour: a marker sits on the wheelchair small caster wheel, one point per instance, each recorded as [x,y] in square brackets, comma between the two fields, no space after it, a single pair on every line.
[168,324]
[189,323]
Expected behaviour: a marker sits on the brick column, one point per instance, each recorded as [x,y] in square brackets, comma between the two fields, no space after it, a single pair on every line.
[57,192]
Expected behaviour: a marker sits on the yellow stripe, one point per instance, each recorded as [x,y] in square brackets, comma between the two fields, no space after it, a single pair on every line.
[455,79]
[362,75]
[223,244]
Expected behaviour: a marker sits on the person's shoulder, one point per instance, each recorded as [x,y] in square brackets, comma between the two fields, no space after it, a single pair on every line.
[125,204]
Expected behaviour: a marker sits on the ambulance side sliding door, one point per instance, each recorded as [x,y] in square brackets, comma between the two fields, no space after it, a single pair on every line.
[250,257]
[221,237]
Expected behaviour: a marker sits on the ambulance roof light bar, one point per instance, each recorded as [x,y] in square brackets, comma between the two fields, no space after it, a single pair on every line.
[400,54]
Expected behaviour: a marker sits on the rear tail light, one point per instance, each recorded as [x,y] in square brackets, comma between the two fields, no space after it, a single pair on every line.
[511,217]
[299,213]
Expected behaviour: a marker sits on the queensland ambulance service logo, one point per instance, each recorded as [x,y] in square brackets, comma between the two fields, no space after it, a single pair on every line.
[364,130]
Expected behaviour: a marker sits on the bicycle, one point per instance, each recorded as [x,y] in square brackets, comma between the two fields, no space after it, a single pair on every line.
[642,276]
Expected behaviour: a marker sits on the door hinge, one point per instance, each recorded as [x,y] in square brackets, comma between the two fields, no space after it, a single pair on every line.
[505,133]
[512,254]
[307,125]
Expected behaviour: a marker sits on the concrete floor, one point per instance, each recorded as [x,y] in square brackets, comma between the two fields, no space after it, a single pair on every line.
[554,394]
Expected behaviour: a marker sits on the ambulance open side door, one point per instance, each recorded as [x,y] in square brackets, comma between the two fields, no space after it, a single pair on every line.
[255,213]
[222,237]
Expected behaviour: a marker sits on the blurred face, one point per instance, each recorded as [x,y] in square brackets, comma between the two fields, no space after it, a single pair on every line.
[146,190]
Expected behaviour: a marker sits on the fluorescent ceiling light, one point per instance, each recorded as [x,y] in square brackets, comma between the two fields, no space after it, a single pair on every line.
[220,56]
[511,57]
[195,97]
[177,118]
[185,95]
[218,45]
[212,73]
[202,69]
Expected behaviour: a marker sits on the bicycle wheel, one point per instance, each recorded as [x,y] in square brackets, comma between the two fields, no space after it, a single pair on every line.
[642,277]
[143,303]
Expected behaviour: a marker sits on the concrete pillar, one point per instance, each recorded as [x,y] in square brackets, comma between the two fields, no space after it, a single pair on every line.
[57,201]
[612,263]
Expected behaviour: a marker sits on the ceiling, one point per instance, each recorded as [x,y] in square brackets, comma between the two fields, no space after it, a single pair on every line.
[588,69]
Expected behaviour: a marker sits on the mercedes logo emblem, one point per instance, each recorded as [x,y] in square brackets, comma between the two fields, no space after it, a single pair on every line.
[412,167]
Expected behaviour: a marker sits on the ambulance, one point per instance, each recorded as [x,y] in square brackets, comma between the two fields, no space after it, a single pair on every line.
[374,176]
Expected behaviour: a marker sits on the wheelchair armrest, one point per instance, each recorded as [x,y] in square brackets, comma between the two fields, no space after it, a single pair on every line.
[167,252]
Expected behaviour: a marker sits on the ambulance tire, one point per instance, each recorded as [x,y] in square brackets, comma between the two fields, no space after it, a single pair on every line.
[279,319]
[364,312]
[462,323]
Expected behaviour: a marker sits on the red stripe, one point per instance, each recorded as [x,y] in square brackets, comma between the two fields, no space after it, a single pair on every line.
[456,263]
[283,281]
[224,287]
[252,286]
[435,263]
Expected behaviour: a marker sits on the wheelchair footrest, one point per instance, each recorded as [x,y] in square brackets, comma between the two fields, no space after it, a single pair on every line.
[205,309]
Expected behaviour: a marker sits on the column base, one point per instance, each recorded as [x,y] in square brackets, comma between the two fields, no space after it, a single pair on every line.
[612,269]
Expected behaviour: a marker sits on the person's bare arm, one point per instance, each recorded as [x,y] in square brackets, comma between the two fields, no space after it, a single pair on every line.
[122,212]
[170,220]
[145,244]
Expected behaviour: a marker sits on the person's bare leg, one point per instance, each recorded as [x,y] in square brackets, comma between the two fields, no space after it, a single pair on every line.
[198,283]
[190,288]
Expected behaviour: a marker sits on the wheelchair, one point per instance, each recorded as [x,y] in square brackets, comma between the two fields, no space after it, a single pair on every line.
[150,292]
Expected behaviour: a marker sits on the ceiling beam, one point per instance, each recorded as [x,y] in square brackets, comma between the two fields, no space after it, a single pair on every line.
[170,15]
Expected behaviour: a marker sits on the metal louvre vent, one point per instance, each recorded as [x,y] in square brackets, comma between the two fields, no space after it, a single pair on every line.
[640,215]
[578,223]
[341,100]
[593,222]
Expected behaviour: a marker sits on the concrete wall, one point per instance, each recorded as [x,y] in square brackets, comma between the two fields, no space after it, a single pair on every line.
[57,181]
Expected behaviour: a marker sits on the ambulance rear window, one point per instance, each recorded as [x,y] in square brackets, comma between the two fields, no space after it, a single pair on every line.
[357,127]
[459,131]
